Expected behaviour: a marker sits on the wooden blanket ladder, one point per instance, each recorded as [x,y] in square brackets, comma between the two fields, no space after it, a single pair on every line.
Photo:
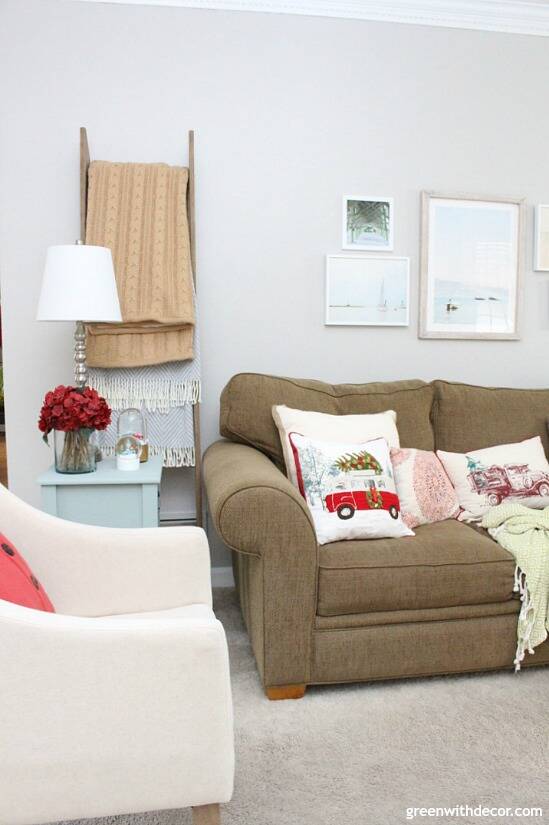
[84,165]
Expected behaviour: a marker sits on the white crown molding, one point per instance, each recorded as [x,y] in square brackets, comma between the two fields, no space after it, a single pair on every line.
[511,16]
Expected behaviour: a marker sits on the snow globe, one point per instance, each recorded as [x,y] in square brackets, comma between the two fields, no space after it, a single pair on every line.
[128,452]
[132,422]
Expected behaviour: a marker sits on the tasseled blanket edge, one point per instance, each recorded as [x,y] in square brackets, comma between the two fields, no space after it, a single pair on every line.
[172,456]
[155,395]
[526,618]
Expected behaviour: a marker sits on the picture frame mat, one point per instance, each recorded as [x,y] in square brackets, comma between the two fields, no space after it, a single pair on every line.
[363,260]
[368,247]
[424,294]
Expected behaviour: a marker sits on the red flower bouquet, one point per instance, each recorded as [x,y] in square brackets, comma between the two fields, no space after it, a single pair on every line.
[75,412]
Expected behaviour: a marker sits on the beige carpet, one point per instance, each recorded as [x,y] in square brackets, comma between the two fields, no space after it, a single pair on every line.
[362,754]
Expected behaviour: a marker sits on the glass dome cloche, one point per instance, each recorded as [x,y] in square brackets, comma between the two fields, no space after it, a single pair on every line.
[133,422]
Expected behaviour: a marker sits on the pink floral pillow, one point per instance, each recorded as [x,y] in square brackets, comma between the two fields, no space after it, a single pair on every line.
[425,491]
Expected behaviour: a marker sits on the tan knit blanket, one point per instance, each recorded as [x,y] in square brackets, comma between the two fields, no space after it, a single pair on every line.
[139,211]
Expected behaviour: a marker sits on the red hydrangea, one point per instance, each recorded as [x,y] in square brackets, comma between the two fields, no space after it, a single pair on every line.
[72,408]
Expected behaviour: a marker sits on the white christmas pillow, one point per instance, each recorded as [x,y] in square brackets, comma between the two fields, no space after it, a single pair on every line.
[510,472]
[349,488]
[334,428]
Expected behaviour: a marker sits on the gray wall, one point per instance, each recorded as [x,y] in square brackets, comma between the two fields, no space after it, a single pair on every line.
[290,114]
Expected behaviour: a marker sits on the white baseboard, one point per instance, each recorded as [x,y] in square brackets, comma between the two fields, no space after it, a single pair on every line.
[222,577]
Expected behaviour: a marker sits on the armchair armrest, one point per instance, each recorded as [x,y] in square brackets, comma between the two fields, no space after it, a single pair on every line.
[120,714]
[98,571]
[258,512]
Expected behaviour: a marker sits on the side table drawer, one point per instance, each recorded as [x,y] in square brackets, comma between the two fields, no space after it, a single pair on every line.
[106,498]
[130,505]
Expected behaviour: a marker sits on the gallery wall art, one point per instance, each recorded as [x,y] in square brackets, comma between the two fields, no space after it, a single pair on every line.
[368,223]
[367,291]
[471,266]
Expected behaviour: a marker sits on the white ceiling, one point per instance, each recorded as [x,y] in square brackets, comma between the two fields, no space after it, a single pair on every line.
[512,16]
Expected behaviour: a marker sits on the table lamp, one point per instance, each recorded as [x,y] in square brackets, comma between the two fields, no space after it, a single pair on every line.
[79,285]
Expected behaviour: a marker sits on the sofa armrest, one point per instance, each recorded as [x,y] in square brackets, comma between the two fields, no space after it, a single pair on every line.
[258,512]
[238,479]
[112,715]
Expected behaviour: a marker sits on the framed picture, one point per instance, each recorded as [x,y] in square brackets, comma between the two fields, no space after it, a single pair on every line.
[362,291]
[368,223]
[471,266]
[541,238]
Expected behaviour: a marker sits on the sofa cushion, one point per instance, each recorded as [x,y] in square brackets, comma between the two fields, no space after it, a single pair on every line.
[444,564]
[467,418]
[248,398]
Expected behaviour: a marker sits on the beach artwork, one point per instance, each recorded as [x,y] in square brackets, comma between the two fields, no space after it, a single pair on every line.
[368,223]
[363,291]
[470,268]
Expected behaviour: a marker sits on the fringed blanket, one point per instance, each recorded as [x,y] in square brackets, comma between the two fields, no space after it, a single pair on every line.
[166,393]
[525,534]
[139,211]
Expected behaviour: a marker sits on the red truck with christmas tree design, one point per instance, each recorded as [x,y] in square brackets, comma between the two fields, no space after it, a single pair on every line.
[361,487]
[508,481]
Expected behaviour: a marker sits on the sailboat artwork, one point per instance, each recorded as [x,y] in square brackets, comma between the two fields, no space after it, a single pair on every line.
[382,306]
[367,291]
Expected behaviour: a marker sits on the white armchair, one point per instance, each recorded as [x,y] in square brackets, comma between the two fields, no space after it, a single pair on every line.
[120,701]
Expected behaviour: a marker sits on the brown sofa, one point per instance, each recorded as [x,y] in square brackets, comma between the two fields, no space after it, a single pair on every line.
[441,602]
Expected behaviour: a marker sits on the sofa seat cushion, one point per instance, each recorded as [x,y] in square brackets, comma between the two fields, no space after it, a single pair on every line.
[443,565]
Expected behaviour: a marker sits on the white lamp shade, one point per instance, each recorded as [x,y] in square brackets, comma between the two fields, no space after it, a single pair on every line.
[79,285]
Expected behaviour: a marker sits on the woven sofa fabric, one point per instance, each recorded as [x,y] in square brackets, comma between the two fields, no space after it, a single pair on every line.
[443,565]
[467,417]
[449,606]
[257,510]
[248,398]
[434,614]
[418,649]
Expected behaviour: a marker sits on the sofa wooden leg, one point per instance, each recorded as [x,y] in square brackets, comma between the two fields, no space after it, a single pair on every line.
[286,692]
[207,815]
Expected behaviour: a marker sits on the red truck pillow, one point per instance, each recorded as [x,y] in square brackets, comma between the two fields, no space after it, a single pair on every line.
[349,489]
[17,583]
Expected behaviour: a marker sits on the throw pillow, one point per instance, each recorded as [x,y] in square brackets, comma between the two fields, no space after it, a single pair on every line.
[484,478]
[425,491]
[334,428]
[349,488]
[17,583]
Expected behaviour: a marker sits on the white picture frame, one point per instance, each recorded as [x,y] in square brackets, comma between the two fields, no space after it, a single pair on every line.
[541,238]
[368,291]
[368,223]
[472,253]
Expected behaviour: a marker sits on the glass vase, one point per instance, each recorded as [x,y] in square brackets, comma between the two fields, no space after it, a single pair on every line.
[74,451]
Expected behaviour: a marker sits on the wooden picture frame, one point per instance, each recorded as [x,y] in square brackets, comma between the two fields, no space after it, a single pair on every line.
[471,266]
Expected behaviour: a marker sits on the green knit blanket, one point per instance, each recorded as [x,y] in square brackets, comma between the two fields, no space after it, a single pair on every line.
[525,534]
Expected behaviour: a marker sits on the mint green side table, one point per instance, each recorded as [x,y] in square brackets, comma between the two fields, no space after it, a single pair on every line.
[106,498]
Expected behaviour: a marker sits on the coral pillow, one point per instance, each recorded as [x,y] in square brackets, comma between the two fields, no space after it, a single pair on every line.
[512,472]
[425,491]
[349,489]
[17,583]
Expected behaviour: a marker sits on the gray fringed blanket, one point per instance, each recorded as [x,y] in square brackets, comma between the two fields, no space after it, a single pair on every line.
[166,393]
